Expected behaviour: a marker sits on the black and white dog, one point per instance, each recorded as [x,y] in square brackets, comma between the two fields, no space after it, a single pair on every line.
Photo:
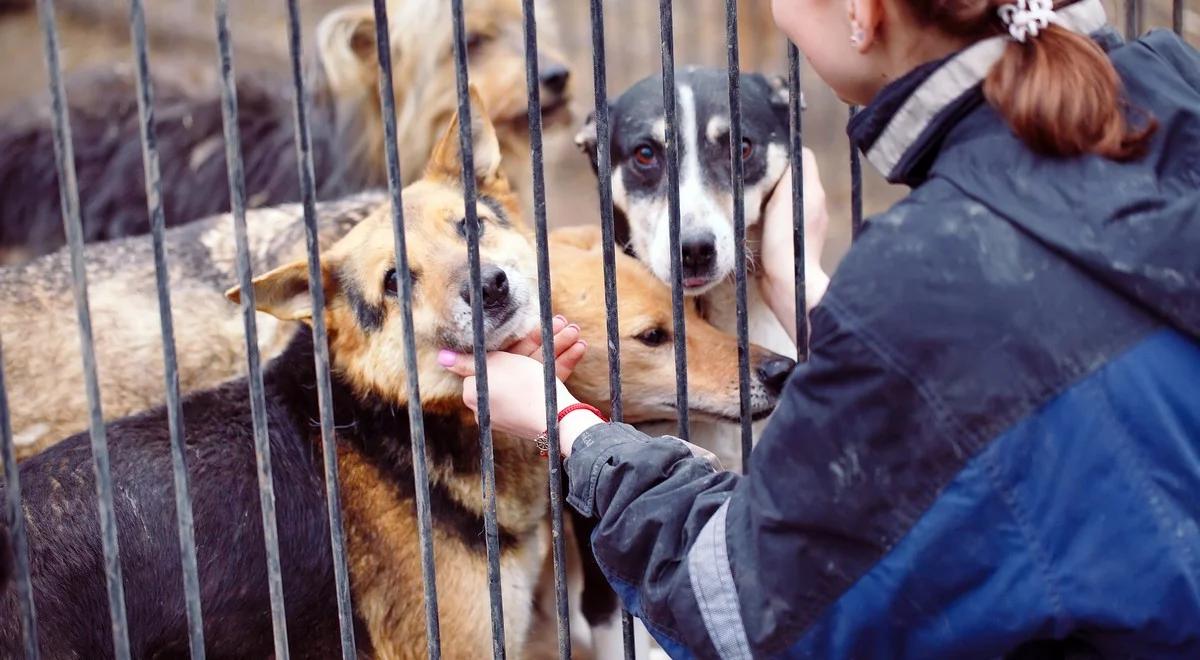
[640,189]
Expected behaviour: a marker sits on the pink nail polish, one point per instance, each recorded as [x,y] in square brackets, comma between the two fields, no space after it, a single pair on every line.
[447,358]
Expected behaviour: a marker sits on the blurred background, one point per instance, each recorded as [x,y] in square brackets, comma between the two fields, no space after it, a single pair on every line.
[96,32]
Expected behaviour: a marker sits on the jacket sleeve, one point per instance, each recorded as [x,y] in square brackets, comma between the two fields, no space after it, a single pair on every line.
[722,565]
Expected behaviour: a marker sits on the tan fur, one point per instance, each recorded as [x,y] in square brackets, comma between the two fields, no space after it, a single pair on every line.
[647,373]
[424,80]
[380,522]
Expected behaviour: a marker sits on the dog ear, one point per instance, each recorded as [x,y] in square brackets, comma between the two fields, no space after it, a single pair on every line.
[585,139]
[446,160]
[781,95]
[282,293]
[347,51]
[584,237]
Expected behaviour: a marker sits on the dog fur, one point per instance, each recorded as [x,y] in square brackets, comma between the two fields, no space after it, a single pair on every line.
[706,197]
[373,457]
[369,393]
[346,125]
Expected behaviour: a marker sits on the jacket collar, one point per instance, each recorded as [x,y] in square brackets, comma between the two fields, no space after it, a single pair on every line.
[902,128]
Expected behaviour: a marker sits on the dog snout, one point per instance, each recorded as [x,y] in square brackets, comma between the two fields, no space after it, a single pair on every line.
[699,255]
[554,77]
[494,284]
[774,372]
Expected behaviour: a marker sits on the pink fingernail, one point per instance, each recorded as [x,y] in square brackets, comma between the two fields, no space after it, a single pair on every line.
[447,358]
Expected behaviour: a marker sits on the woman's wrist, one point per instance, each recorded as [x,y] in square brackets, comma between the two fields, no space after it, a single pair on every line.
[574,423]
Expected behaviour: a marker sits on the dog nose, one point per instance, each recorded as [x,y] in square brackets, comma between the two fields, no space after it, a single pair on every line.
[554,78]
[699,254]
[774,372]
[495,287]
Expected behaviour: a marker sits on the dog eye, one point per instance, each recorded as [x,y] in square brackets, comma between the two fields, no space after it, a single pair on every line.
[653,337]
[461,226]
[645,156]
[391,282]
[747,148]
[475,40]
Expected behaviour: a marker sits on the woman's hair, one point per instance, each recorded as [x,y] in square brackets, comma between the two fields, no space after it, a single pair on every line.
[1058,91]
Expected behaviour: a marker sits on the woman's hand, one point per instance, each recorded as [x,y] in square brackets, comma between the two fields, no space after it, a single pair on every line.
[516,395]
[778,256]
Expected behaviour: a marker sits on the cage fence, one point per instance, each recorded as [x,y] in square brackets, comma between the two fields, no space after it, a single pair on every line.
[647,33]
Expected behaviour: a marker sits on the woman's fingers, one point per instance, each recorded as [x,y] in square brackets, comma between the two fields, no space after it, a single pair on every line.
[565,363]
[462,364]
[564,339]
[530,344]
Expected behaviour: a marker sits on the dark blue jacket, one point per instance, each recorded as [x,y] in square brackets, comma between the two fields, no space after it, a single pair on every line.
[996,439]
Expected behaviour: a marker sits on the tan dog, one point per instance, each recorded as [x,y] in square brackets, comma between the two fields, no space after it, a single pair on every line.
[345,120]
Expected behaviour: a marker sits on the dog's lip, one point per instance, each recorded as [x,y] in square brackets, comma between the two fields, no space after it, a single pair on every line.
[467,344]
[696,282]
[755,414]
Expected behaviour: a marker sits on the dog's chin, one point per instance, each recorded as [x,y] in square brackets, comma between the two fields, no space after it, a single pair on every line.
[498,333]
[556,113]
[697,286]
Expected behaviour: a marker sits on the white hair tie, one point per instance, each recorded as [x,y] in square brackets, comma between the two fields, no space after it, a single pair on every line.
[1026,18]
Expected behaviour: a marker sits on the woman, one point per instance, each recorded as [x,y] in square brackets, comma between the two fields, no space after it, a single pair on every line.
[995,445]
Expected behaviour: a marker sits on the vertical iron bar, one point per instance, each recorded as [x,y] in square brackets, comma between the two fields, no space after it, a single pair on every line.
[308,195]
[668,72]
[1177,16]
[483,410]
[16,525]
[258,403]
[856,211]
[183,499]
[416,418]
[739,226]
[796,134]
[1133,19]
[608,242]
[554,462]
[607,227]
[64,160]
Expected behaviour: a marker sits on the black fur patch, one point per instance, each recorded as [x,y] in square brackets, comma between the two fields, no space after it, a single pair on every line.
[369,315]
[189,130]
[497,209]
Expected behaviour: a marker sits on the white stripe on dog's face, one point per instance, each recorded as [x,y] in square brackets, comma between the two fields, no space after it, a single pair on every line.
[640,181]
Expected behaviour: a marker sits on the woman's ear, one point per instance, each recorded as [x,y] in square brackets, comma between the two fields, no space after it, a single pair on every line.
[865,17]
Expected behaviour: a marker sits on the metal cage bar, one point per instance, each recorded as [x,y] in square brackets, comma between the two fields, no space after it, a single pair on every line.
[333,496]
[175,421]
[796,152]
[416,418]
[738,176]
[608,241]
[1177,16]
[667,37]
[1133,19]
[483,410]
[64,160]
[856,207]
[541,234]
[16,525]
[258,405]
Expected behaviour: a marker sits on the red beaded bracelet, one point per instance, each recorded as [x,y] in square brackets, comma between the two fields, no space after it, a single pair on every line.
[543,440]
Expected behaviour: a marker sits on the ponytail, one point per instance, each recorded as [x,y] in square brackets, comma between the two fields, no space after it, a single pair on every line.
[1062,97]
[1057,90]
